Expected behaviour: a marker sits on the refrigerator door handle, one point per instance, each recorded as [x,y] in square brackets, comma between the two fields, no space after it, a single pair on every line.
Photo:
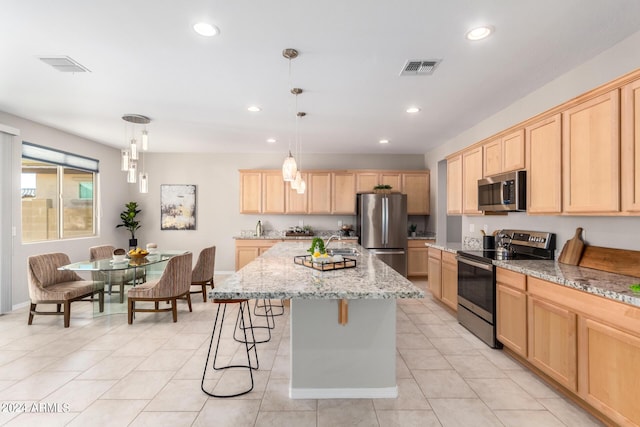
[386,221]
[386,252]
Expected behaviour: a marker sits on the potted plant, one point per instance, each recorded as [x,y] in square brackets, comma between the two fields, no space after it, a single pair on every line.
[382,188]
[128,218]
[412,230]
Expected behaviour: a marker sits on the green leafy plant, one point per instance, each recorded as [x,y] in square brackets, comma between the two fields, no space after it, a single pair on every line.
[635,288]
[412,228]
[319,243]
[382,187]
[128,218]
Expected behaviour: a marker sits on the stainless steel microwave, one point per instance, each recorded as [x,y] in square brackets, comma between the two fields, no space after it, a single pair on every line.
[503,193]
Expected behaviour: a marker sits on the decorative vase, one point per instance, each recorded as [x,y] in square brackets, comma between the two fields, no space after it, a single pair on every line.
[133,243]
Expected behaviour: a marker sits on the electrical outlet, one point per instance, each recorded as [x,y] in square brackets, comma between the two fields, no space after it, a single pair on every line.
[472,228]
[339,223]
[301,223]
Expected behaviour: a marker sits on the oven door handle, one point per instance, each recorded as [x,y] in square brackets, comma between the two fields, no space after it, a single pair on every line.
[475,263]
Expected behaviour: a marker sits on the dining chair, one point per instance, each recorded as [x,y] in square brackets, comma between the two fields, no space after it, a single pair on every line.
[173,284]
[48,285]
[112,278]
[202,274]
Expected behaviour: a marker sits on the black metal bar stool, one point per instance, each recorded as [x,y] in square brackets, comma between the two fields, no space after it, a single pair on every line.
[268,315]
[248,340]
[279,305]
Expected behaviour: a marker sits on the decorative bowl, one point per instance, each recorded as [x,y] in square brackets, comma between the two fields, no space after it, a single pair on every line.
[139,255]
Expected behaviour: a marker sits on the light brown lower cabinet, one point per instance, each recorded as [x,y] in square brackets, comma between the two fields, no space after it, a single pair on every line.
[435,272]
[588,344]
[418,258]
[450,280]
[250,249]
[610,371]
[511,310]
[553,341]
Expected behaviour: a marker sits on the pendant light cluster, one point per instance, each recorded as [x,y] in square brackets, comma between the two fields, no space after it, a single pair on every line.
[131,156]
[290,168]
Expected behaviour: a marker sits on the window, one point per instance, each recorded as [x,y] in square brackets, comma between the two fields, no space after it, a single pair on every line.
[57,194]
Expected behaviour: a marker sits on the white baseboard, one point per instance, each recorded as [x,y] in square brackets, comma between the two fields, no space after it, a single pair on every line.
[20,305]
[344,393]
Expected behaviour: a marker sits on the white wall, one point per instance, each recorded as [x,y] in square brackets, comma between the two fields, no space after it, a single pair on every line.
[601,231]
[217,196]
[112,194]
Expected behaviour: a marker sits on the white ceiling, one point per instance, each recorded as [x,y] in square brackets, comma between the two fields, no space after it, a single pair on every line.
[145,59]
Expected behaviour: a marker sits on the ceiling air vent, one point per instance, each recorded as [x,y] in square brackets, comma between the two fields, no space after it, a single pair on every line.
[64,64]
[420,67]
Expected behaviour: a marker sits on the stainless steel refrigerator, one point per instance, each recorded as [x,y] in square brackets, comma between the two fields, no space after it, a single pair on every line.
[382,227]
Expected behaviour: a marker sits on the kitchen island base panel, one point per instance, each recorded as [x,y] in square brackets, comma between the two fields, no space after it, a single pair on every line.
[355,360]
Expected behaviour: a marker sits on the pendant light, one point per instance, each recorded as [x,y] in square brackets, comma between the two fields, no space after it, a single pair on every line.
[289,166]
[131,157]
[301,186]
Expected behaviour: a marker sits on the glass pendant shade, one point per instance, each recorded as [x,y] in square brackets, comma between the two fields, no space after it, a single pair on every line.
[144,182]
[133,172]
[134,149]
[295,184]
[124,160]
[289,168]
[145,140]
[301,187]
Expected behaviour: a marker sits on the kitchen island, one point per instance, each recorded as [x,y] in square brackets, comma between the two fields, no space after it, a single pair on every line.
[343,322]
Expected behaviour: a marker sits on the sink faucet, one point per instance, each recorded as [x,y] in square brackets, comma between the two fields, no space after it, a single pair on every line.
[331,238]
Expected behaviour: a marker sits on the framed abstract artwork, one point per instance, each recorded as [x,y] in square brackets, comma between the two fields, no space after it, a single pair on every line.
[177,207]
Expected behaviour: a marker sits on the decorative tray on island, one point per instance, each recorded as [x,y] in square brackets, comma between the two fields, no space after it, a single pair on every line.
[307,261]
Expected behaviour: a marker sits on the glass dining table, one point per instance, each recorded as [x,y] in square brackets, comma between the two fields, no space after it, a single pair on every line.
[130,272]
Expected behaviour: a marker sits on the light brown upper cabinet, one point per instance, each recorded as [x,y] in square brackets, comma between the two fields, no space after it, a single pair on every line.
[471,173]
[329,192]
[454,185]
[250,192]
[319,187]
[273,188]
[343,196]
[297,203]
[366,180]
[416,187]
[591,155]
[394,179]
[544,166]
[630,165]
[504,154]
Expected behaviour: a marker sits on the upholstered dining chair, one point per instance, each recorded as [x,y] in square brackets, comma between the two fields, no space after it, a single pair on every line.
[112,278]
[173,284]
[202,274]
[48,285]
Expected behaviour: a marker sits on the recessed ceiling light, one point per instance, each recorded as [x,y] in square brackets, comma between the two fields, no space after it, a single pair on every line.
[384,141]
[271,140]
[413,110]
[479,33]
[253,109]
[205,29]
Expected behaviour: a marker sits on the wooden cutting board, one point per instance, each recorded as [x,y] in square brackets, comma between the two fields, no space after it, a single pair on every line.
[620,261]
[572,250]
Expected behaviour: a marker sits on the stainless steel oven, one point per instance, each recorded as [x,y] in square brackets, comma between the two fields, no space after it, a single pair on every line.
[476,297]
[477,278]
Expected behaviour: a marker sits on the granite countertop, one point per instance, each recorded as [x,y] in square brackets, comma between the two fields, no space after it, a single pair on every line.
[601,283]
[275,275]
[608,285]
[452,247]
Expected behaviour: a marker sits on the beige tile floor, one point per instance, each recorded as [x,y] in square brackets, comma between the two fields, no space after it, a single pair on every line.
[103,372]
